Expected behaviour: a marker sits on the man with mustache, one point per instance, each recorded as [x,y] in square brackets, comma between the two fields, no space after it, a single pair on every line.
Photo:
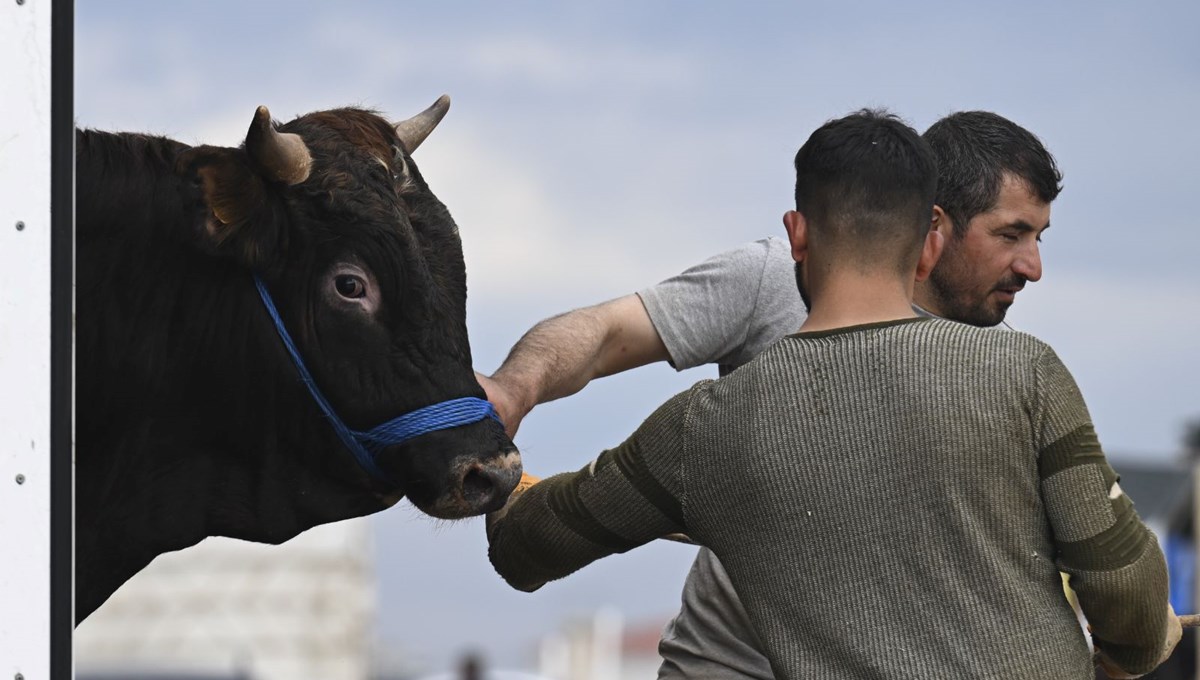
[995,185]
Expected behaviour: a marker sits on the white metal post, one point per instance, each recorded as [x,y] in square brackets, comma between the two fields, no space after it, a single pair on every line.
[25,342]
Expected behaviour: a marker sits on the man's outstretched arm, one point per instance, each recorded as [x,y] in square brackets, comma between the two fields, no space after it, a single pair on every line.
[714,312]
[627,497]
[559,356]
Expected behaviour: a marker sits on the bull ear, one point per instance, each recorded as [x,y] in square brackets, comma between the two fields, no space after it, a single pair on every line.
[241,216]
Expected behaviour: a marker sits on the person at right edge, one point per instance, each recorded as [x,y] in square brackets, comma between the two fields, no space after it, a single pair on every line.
[891,495]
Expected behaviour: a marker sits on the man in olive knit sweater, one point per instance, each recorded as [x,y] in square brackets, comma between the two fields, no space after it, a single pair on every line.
[892,497]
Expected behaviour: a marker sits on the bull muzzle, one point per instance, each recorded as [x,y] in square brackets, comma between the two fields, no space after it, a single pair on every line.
[484,486]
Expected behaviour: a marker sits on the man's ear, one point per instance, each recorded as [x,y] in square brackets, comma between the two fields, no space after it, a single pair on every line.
[241,217]
[797,231]
[941,222]
[931,251]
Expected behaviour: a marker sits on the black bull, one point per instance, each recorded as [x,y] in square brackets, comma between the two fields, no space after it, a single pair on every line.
[192,420]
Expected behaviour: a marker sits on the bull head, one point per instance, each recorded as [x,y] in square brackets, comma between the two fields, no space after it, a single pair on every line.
[367,268]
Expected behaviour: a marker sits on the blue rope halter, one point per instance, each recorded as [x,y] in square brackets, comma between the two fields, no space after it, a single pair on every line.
[364,445]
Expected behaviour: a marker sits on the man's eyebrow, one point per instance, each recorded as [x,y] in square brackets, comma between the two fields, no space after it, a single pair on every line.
[1023,226]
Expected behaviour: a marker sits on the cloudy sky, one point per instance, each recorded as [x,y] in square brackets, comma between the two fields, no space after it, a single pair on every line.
[595,148]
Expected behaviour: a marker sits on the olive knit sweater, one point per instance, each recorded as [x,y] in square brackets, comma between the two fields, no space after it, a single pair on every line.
[892,500]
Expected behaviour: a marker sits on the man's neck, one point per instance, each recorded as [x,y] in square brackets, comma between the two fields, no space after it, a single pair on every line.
[921,311]
[856,300]
[923,297]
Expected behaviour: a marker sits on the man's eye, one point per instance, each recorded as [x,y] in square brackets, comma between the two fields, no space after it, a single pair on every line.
[349,286]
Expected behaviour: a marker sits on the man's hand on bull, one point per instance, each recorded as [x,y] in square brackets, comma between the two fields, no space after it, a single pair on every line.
[508,404]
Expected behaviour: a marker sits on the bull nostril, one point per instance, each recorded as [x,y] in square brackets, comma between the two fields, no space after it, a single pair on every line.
[485,486]
[477,487]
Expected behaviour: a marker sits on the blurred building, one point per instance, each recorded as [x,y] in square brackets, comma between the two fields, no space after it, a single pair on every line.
[474,667]
[601,647]
[229,609]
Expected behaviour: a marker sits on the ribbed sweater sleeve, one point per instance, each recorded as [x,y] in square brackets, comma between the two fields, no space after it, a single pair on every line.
[628,496]
[1116,567]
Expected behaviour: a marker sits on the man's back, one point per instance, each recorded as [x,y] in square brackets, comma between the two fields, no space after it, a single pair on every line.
[886,478]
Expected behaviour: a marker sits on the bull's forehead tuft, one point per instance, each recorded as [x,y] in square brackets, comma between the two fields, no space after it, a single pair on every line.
[361,128]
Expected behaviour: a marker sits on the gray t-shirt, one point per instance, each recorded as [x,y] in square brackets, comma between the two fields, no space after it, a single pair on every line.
[729,308]
[724,311]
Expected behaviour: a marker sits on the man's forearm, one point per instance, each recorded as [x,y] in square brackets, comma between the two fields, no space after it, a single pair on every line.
[559,356]
[531,545]
[1125,602]
[1117,569]
[554,359]
[563,523]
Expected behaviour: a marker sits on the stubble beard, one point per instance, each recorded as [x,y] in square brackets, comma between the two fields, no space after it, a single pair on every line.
[958,302]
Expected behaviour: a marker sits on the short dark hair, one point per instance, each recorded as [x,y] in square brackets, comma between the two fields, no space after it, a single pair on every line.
[867,181]
[974,151]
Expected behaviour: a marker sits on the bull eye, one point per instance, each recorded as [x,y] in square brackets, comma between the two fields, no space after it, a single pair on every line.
[350,286]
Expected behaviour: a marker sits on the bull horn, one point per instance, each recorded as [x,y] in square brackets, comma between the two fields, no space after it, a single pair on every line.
[283,155]
[414,130]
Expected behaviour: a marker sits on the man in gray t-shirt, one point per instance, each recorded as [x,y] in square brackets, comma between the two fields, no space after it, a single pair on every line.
[723,311]
[996,183]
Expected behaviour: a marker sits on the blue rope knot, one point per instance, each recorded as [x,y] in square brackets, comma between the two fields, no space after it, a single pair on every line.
[364,445]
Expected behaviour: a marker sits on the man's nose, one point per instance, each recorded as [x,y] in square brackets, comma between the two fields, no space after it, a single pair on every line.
[1029,263]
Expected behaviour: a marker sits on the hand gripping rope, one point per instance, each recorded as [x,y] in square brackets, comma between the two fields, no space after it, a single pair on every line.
[364,445]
